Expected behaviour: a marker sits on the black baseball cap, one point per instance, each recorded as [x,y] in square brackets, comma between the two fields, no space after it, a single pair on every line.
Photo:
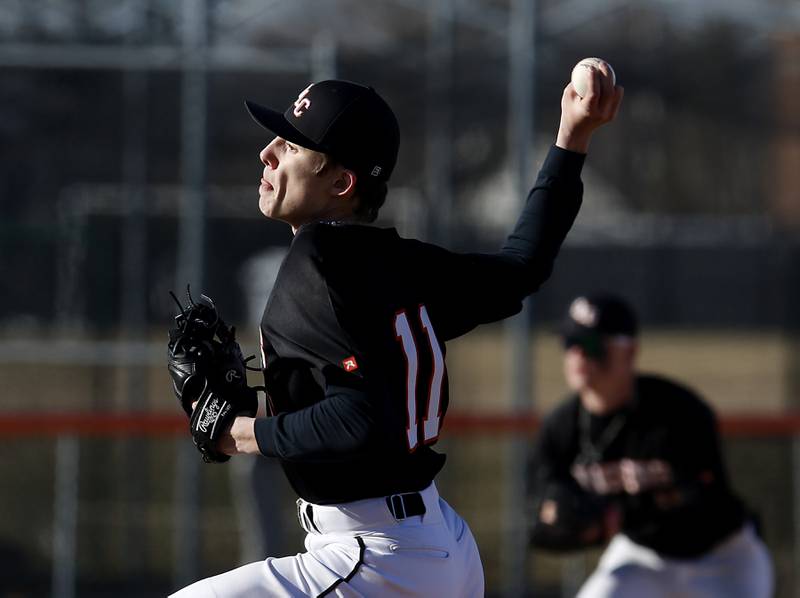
[591,318]
[348,121]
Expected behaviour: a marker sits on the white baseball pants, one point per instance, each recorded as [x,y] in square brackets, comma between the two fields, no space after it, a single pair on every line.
[359,549]
[739,567]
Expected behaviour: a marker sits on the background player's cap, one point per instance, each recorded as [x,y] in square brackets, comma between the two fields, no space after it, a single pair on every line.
[592,317]
[348,121]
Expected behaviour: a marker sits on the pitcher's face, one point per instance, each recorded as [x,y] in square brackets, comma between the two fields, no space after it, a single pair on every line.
[292,187]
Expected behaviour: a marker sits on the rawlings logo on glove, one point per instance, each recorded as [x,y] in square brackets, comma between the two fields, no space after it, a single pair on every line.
[209,373]
[213,411]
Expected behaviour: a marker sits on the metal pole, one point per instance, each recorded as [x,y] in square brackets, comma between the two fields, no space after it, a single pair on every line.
[438,117]
[323,56]
[133,299]
[70,295]
[520,134]
[792,399]
[65,517]
[191,233]
[190,265]
[796,514]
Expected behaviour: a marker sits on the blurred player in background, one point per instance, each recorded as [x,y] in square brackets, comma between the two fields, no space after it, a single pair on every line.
[353,343]
[636,459]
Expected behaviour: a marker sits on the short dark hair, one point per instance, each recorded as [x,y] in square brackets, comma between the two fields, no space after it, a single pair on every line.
[370,195]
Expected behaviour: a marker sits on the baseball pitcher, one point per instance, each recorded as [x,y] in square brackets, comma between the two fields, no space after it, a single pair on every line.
[353,339]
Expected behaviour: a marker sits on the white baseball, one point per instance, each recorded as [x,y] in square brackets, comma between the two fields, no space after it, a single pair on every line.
[581,74]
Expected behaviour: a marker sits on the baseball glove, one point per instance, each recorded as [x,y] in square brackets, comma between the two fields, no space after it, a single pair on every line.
[209,374]
[567,518]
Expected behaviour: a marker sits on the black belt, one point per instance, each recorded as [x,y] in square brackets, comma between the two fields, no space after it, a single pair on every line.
[401,506]
[405,505]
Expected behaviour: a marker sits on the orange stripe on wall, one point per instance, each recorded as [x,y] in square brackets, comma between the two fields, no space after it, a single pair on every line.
[456,423]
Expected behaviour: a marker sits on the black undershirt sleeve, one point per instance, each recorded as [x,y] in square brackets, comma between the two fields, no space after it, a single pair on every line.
[551,208]
[480,288]
[340,427]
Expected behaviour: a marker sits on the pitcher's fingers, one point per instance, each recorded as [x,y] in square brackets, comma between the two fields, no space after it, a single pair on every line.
[594,89]
[569,93]
[619,93]
[606,79]
[608,110]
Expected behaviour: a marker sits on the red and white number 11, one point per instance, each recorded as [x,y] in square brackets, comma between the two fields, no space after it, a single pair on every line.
[430,423]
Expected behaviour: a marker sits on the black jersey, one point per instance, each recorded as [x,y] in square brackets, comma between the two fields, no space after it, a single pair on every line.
[354,334]
[657,458]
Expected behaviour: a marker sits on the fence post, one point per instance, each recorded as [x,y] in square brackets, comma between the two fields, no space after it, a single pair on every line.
[796,514]
[65,518]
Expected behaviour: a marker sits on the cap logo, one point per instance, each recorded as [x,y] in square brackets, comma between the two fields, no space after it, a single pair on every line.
[376,171]
[583,312]
[302,103]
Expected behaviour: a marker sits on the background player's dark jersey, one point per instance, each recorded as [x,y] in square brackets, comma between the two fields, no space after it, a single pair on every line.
[658,459]
[353,339]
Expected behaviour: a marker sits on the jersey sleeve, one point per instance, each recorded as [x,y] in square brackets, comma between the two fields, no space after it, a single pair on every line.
[696,508]
[300,321]
[316,390]
[696,458]
[473,289]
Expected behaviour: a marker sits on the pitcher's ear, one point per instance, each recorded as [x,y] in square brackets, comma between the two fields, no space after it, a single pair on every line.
[344,185]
